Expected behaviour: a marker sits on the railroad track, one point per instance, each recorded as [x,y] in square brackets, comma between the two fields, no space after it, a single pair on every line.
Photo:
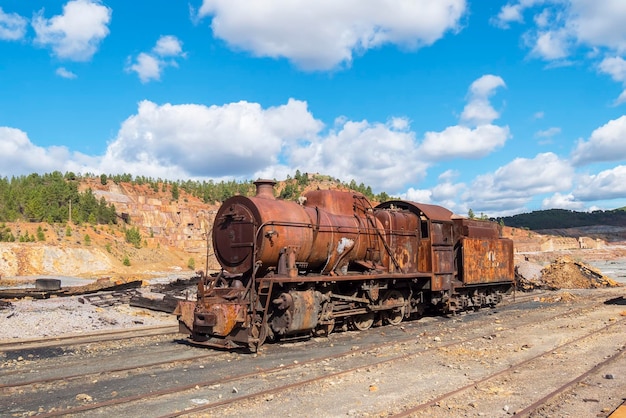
[425,409]
[238,387]
[87,338]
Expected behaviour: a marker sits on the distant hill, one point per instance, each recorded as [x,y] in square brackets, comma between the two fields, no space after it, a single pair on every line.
[561,218]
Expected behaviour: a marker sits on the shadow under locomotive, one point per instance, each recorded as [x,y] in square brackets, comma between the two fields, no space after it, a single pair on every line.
[332,260]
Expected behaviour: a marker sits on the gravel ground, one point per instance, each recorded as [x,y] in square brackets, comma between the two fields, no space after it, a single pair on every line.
[68,315]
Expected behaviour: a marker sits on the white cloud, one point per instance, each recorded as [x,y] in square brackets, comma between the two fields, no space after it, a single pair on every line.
[65,73]
[12,26]
[562,201]
[512,186]
[203,142]
[168,46]
[378,154]
[599,23]
[464,141]
[564,28]
[550,45]
[548,133]
[509,13]
[417,195]
[19,156]
[564,23]
[147,67]
[479,111]
[608,184]
[150,65]
[616,68]
[513,12]
[273,28]
[77,33]
[605,144]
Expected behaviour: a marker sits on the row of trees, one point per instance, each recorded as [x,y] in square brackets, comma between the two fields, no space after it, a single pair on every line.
[51,198]
[54,197]
[215,192]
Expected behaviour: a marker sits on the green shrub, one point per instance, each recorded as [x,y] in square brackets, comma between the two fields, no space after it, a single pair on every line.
[40,235]
[133,236]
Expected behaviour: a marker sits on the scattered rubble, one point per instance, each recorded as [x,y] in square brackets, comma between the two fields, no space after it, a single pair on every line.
[102,284]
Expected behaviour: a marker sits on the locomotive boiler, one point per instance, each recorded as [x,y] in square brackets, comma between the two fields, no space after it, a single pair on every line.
[333,260]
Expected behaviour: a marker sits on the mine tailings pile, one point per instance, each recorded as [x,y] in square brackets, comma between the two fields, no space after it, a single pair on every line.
[563,273]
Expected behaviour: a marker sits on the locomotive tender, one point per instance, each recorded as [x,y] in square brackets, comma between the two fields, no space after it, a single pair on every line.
[294,269]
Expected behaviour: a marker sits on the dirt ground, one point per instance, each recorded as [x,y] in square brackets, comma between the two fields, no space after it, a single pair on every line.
[384,391]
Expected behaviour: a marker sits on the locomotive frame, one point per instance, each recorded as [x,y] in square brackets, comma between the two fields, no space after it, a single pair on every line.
[332,260]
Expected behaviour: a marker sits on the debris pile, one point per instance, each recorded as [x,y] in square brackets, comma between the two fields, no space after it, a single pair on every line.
[563,273]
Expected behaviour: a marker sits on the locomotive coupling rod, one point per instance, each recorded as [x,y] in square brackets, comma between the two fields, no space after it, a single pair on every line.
[349,298]
[386,307]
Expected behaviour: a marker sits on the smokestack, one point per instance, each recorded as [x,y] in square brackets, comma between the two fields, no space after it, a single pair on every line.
[265,188]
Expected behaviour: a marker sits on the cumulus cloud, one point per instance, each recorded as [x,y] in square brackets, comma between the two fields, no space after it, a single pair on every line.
[476,136]
[382,155]
[560,24]
[417,195]
[77,33]
[616,68]
[12,26]
[19,156]
[207,141]
[605,144]
[513,12]
[478,110]
[599,23]
[508,13]
[550,45]
[512,186]
[608,184]
[562,28]
[562,201]
[150,65]
[273,28]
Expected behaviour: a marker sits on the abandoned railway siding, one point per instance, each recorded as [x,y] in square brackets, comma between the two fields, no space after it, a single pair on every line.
[491,362]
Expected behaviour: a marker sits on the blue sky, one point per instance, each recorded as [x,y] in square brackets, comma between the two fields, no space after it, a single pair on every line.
[503,107]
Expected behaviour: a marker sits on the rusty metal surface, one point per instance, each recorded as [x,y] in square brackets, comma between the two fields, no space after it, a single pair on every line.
[322,239]
[185,313]
[402,237]
[476,228]
[219,319]
[441,282]
[441,233]
[487,261]
[296,311]
[432,212]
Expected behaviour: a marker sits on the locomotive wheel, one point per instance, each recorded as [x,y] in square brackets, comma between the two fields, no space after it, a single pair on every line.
[258,334]
[394,316]
[363,321]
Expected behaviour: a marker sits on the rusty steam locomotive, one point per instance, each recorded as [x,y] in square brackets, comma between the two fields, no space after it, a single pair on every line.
[294,269]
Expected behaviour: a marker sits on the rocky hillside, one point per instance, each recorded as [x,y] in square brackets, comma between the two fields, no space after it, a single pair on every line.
[174,235]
